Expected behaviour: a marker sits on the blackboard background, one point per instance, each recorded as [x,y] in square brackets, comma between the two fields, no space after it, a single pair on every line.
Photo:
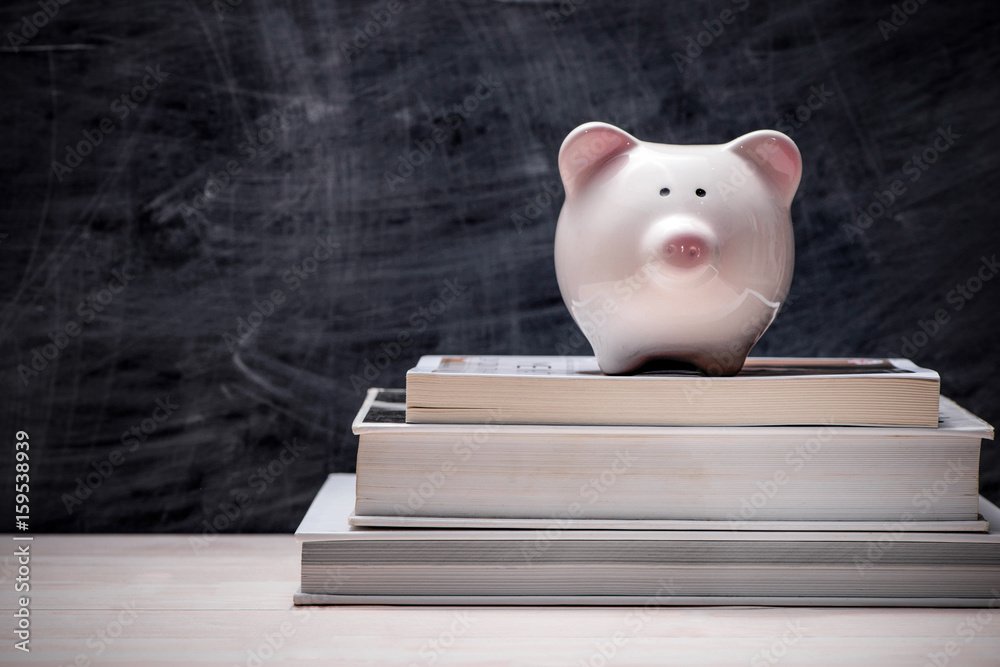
[195,265]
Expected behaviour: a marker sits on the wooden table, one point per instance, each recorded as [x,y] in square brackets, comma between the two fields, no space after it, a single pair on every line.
[164,600]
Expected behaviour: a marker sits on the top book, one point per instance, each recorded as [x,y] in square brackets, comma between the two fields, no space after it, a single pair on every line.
[768,391]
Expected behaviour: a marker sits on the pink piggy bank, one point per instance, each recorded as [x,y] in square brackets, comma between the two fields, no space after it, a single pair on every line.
[675,253]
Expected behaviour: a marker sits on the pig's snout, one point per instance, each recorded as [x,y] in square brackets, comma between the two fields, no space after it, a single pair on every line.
[683,245]
[685,251]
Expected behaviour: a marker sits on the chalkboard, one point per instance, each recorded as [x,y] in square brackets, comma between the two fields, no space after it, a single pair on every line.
[224,221]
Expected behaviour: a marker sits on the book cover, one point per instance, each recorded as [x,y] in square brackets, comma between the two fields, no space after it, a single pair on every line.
[721,477]
[769,390]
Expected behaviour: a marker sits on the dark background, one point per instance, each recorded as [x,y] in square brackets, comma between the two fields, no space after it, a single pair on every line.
[137,203]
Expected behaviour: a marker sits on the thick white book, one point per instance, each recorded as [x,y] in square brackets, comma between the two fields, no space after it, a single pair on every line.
[343,564]
[769,390]
[494,475]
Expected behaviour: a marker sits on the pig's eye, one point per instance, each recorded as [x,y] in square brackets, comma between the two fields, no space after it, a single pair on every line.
[700,192]
[664,192]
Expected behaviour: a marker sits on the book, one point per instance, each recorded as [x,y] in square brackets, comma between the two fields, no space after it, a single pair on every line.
[768,391]
[748,477]
[344,564]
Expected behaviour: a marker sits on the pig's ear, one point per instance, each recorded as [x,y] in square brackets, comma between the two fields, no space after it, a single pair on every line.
[587,148]
[776,155]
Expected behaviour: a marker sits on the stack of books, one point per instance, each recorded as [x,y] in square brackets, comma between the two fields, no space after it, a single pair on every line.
[538,480]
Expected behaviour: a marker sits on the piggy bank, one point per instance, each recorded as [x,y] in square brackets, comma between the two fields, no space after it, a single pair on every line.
[675,255]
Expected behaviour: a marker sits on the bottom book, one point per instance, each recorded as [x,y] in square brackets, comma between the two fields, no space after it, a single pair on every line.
[343,564]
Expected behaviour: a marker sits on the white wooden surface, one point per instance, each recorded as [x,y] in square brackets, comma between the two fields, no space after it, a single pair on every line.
[229,601]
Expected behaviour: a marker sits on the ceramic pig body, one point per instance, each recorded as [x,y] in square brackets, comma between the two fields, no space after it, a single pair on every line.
[675,253]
